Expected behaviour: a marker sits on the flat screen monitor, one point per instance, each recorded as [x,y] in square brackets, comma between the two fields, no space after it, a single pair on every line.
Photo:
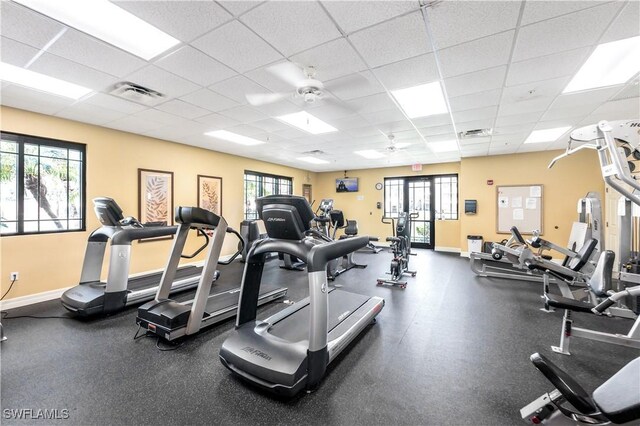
[347,185]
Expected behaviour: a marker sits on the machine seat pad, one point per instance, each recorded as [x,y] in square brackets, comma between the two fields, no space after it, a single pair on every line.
[567,303]
[619,397]
[547,257]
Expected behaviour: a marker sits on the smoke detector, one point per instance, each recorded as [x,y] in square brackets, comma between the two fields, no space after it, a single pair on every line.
[136,93]
[475,133]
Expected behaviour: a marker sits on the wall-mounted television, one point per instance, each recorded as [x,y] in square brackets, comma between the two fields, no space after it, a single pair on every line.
[347,185]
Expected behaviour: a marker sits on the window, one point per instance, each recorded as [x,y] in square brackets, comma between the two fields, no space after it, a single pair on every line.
[393,197]
[42,185]
[257,185]
[446,188]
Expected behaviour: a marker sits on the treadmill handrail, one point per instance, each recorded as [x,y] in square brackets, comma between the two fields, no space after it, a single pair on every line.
[321,254]
[126,235]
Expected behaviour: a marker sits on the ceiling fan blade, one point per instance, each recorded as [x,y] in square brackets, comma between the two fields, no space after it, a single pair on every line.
[288,72]
[258,99]
[402,145]
[352,81]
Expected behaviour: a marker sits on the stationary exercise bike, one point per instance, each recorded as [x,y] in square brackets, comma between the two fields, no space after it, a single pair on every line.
[401,249]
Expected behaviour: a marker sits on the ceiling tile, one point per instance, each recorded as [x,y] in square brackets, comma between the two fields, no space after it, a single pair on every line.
[432,120]
[238,7]
[578,99]
[269,125]
[552,124]
[176,133]
[244,114]
[113,103]
[409,72]
[472,20]
[535,11]
[485,123]
[237,88]
[67,70]
[159,117]
[291,133]
[331,60]
[480,81]
[354,86]
[225,43]
[278,108]
[330,111]
[625,25]
[96,54]
[476,55]
[366,131]
[511,120]
[245,130]
[300,25]
[16,53]
[522,107]
[33,100]
[567,32]
[384,116]
[266,78]
[532,91]
[372,103]
[184,20]
[88,113]
[475,114]
[393,41]
[576,111]
[350,122]
[182,109]
[547,67]
[194,65]
[513,130]
[395,126]
[133,124]
[355,15]
[164,82]
[209,100]
[217,121]
[436,130]
[26,26]
[619,110]
[475,100]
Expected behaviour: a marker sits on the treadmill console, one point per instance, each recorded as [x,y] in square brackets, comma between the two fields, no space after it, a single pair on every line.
[285,217]
[108,211]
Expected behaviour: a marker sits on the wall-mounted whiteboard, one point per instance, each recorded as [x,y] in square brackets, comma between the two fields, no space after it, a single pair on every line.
[519,206]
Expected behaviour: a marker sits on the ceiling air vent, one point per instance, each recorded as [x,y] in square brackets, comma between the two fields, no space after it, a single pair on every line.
[476,133]
[314,152]
[135,93]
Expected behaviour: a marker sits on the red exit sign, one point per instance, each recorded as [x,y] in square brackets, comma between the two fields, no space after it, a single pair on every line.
[490,182]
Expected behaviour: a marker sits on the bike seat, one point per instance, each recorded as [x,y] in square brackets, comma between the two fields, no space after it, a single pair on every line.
[393,239]
[619,397]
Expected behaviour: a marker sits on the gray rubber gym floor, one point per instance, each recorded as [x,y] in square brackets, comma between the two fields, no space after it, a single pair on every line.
[451,349]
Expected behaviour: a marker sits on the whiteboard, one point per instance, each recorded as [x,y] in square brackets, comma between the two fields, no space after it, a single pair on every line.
[519,206]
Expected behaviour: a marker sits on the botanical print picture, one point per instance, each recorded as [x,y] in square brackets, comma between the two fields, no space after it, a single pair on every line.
[155,192]
[210,193]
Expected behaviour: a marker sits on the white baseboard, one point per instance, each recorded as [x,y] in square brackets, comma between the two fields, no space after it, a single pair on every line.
[464,254]
[448,249]
[30,299]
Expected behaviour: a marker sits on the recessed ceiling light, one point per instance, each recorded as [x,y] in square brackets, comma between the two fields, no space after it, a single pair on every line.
[307,122]
[35,80]
[233,137]
[421,101]
[370,154]
[443,146]
[313,160]
[610,64]
[546,135]
[106,21]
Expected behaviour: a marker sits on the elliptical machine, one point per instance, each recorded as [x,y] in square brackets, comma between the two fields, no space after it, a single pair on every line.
[401,249]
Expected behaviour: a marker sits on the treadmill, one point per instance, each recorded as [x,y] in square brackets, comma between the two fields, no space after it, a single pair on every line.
[290,351]
[93,296]
[170,319]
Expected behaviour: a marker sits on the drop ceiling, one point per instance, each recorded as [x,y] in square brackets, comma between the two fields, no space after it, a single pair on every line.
[503,65]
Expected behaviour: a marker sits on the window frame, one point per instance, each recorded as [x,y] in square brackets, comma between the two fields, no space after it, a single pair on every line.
[438,188]
[433,178]
[277,184]
[21,139]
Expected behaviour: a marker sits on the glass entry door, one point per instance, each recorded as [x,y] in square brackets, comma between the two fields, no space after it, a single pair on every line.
[419,195]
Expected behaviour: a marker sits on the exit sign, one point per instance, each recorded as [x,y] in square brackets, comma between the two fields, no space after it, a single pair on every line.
[416,167]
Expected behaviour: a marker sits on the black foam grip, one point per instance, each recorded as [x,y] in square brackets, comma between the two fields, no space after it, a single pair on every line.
[603,306]
[321,254]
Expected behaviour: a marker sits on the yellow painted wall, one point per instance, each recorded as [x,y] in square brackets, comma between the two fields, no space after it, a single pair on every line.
[51,261]
[569,180]
[364,210]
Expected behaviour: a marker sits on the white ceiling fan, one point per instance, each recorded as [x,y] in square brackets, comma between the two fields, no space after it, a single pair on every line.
[305,84]
[393,146]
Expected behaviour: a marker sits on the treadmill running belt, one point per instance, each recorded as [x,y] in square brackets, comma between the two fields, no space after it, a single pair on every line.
[223,299]
[295,327]
[152,280]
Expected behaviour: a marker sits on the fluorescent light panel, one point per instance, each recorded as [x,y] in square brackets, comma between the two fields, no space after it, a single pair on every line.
[313,160]
[370,154]
[422,101]
[546,135]
[106,21]
[443,146]
[233,137]
[610,64]
[307,122]
[44,83]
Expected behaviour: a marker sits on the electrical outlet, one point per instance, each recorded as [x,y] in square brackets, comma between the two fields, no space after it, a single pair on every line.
[14,276]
